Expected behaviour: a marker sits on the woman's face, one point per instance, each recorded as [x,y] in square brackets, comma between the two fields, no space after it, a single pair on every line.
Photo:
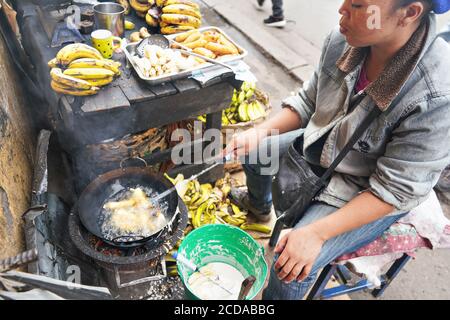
[369,22]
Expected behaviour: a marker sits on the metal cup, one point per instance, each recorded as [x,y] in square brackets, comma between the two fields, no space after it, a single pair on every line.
[110,16]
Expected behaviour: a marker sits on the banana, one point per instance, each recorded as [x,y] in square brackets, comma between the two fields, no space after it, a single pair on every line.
[160,3]
[243,112]
[175,29]
[256,227]
[186,2]
[252,114]
[181,19]
[68,81]
[151,2]
[89,73]
[76,51]
[53,63]
[140,7]
[182,9]
[151,21]
[95,63]
[60,88]
[126,5]
[129,25]
[100,82]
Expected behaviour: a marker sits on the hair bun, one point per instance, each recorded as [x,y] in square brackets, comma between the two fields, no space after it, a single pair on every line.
[441,6]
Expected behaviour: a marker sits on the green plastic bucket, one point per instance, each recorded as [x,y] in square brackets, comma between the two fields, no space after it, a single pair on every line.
[225,244]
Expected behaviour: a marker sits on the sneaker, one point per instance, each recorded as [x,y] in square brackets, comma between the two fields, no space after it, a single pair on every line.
[259,4]
[275,22]
[241,199]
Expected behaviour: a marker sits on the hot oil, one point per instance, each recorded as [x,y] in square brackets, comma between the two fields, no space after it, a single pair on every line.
[147,222]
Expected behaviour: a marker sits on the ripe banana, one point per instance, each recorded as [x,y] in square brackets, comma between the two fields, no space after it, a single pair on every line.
[243,112]
[53,63]
[76,51]
[95,63]
[126,5]
[71,91]
[175,29]
[151,21]
[181,19]
[256,227]
[68,81]
[100,82]
[89,73]
[182,9]
[140,7]
[160,3]
[186,2]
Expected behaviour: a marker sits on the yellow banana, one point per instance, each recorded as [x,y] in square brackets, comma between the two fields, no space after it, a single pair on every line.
[53,63]
[70,91]
[151,2]
[256,227]
[186,2]
[95,63]
[182,9]
[89,73]
[100,82]
[175,29]
[126,5]
[71,82]
[140,7]
[151,21]
[76,51]
[160,3]
[181,19]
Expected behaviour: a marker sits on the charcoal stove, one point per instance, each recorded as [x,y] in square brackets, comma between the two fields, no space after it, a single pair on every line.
[137,272]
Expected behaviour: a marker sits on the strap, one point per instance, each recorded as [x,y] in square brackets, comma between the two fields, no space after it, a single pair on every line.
[354,138]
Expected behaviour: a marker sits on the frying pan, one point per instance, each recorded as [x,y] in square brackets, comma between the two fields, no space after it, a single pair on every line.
[92,199]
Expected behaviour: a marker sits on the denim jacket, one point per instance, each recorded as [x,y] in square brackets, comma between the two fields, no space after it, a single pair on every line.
[401,156]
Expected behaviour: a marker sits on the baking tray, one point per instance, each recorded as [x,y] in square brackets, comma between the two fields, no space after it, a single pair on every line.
[130,51]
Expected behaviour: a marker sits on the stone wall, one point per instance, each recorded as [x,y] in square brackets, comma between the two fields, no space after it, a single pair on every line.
[16,157]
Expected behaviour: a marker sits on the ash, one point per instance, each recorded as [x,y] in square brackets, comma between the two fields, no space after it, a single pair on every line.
[170,288]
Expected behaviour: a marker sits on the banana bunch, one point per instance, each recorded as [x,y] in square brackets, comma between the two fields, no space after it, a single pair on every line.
[85,70]
[141,7]
[73,52]
[246,105]
[210,204]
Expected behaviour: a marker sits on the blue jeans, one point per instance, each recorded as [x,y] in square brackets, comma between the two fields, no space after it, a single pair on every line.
[277,8]
[259,187]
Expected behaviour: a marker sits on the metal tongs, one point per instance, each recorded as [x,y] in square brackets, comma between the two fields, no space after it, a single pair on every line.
[163,42]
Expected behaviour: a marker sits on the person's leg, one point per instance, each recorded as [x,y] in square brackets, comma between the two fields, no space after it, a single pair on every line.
[332,249]
[277,8]
[259,172]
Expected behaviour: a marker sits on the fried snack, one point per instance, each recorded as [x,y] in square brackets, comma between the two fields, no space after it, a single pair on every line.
[218,49]
[193,37]
[223,40]
[196,44]
[182,37]
[205,52]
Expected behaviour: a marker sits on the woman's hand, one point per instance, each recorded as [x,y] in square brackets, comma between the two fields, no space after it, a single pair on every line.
[299,250]
[243,143]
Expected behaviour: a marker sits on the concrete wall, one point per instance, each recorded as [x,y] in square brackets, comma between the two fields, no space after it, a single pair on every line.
[16,153]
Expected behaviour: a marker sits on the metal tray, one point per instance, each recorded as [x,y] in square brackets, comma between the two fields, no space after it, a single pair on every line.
[130,51]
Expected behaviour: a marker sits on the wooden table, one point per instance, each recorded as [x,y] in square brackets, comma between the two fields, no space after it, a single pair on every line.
[126,106]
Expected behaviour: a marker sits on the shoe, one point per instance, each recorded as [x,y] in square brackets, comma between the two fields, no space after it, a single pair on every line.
[275,22]
[241,198]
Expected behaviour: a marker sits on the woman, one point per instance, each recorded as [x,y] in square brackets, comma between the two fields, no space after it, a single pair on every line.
[400,67]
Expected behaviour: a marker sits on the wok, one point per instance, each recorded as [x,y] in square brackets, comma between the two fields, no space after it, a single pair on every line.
[90,204]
